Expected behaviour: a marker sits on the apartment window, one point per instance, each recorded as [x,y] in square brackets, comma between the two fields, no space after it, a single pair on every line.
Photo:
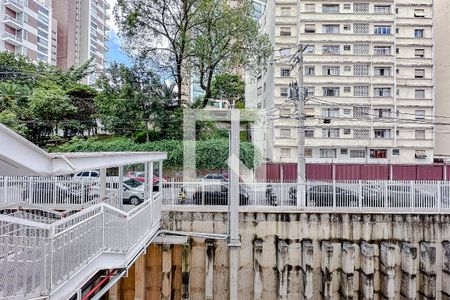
[420,134]
[310,7]
[361,8]
[382,133]
[284,92]
[330,112]
[285,31]
[347,48]
[308,152]
[310,49]
[357,153]
[347,68]
[395,152]
[419,94]
[397,30]
[419,53]
[347,131]
[378,153]
[330,71]
[420,114]
[347,27]
[419,73]
[330,28]
[344,151]
[310,71]
[332,133]
[331,91]
[309,133]
[421,154]
[361,91]
[419,13]
[361,133]
[382,71]
[310,28]
[347,6]
[330,8]
[285,11]
[382,29]
[285,51]
[361,112]
[285,112]
[361,28]
[285,152]
[330,49]
[347,111]
[382,92]
[327,153]
[382,112]
[361,49]
[418,33]
[397,50]
[285,72]
[361,70]
[381,50]
[382,9]
[347,89]
[309,91]
[285,133]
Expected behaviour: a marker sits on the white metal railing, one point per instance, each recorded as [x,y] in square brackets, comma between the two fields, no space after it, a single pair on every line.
[343,196]
[16,37]
[38,257]
[9,18]
[16,2]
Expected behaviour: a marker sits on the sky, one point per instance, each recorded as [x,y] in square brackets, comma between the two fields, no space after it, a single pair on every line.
[115,52]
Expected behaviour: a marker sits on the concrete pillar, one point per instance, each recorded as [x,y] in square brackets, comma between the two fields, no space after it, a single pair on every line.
[294,287]
[177,254]
[115,291]
[139,284]
[185,271]
[257,276]
[367,271]
[282,268]
[329,265]
[246,267]
[446,270]
[268,265]
[220,270]
[197,270]
[209,271]
[387,270]
[166,289]
[308,270]
[347,286]
[408,287]
[128,285]
[153,270]
[427,271]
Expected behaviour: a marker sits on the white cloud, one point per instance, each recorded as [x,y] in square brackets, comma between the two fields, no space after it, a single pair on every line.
[112,21]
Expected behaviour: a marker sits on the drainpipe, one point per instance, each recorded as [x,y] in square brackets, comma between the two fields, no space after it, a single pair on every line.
[66,160]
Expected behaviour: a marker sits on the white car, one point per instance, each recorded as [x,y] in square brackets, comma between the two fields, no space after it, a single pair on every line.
[87,174]
[133,191]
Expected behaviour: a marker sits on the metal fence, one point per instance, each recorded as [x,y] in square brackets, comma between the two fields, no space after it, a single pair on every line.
[346,196]
[40,251]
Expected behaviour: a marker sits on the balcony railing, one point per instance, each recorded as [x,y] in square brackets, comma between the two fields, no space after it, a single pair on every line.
[15,37]
[18,3]
[9,18]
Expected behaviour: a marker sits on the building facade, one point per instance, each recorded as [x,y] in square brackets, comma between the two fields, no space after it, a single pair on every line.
[82,33]
[368,77]
[27,28]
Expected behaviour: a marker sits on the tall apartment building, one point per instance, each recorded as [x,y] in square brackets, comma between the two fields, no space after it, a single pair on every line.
[27,28]
[368,77]
[82,33]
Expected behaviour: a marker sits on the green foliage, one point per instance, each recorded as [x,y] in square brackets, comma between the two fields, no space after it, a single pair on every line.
[210,154]
[228,86]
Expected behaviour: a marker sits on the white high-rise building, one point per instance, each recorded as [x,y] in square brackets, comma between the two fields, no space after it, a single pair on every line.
[368,77]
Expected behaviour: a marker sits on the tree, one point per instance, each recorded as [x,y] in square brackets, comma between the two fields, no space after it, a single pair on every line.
[227,38]
[228,86]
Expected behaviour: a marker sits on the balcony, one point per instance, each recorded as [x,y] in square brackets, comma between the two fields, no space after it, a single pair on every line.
[12,38]
[15,5]
[13,22]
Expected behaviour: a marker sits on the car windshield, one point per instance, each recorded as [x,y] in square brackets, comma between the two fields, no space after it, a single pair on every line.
[132,183]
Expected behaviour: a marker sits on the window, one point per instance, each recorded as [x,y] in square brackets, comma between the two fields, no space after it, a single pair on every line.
[419,73]
[382,71]
[309,133]
[285,72]
[330,28]
[382,112]
[285,112]
[397,30]
[382,9]
[330,112]
[347,68]
[419,94]
[347,131]
[361,8]
[330,49]
[285,11]
[361,70]
[285,152]
[310,70]
[284,92]
[361,112]
[382,92]
[310,49]
[310,7]
[382,133]
[420,114]
[361,49]
[285,51]
[347,27]
[327,153]
[308,152]
[361,91]
[285,133]
[419,53]
[378,153]
[310,28]
[347,111]
[347,89]
[357,153]
[419,13]
[361,28]
[344,151]
[331,91]
[309,91]
[418,33]
[347,48]
[347,6]
[330,8]
[381,50]
[396,152]
[382,29]
[285,31]
[361,133]
[420,134]
[330,70]
[332,133]
[397,50]
[397,132]
[421,154]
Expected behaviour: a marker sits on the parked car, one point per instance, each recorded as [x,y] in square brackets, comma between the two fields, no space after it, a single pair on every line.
[215,177]
[133,191]
[52,192]
[217,194]
[140,176]
[87,174]
[397,196]
[322,195]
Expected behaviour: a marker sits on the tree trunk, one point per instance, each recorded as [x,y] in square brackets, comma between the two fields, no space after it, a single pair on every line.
[207,87]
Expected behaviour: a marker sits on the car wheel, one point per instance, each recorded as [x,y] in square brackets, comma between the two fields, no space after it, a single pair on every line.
[135,200]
